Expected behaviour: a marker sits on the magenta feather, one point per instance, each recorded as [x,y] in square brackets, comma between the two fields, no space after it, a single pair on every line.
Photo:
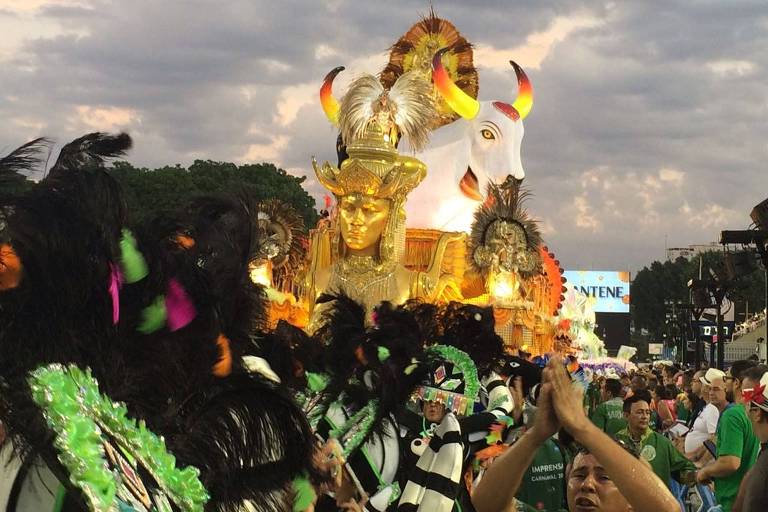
[181,310]
[115,282]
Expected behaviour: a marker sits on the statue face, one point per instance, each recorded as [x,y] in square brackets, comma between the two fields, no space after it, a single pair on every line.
[363,219]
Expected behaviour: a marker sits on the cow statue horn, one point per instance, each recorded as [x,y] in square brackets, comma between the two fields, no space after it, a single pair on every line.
[329,103]
[461,103]
[524,101]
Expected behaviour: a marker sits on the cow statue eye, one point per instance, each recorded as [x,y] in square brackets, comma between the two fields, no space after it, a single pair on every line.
[487,134]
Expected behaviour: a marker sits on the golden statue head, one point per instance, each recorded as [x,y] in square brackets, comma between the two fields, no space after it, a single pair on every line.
[371,185]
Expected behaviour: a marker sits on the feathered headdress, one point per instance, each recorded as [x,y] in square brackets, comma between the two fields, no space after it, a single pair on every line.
[406,109]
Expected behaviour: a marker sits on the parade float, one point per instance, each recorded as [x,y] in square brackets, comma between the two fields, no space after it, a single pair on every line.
[428,202]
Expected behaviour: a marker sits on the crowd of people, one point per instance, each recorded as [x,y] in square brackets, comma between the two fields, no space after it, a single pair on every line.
[751,324]
[698,430]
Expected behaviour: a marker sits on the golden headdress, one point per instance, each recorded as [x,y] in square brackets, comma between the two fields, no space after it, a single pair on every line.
[371,119]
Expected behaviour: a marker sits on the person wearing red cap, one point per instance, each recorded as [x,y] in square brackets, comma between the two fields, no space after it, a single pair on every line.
[755,397]
[737,446]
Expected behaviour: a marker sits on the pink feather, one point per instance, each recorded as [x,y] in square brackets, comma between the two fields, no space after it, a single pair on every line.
[180,309]
[115,282]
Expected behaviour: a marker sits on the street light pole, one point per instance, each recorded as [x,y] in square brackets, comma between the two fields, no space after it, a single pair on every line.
[720,336]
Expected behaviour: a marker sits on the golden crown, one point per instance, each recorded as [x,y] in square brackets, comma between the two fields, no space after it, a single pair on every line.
[374,168]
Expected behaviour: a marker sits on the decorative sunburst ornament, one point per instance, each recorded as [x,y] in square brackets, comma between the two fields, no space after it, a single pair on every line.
[504,237]
[414,52]
[280,233]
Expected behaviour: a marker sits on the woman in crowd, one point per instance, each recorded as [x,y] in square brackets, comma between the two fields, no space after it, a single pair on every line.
[664,396]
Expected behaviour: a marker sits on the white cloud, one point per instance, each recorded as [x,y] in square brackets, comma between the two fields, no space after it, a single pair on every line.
[671,176]
[324,51]
[730,67]
[585,217]
[265,152]
[537,45]
[292,99]
[105,118]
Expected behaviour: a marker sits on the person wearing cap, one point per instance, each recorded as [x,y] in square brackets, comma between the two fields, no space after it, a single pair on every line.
[704,425]
[653,447]
[737,445]
[733,378]
[755,399]
[602,478]
[609,415]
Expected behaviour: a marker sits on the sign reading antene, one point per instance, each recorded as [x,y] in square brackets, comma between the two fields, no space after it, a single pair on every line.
[609,287]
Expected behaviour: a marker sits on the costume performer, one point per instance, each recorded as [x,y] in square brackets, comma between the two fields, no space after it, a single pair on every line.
[124,345]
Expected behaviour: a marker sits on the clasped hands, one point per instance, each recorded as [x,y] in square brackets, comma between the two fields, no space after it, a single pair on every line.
[559,405]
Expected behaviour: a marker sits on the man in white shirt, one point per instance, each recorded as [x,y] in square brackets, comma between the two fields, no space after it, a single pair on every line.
[705,426]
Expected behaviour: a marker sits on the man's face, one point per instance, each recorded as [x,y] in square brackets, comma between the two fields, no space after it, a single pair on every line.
[590,489]
[434,411]
[752,411]
[733,387]
[717,393]
[756,415]
[639,416]
[696,385]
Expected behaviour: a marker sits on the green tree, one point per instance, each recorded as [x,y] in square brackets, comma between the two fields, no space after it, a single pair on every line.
[154,192]
[655,284]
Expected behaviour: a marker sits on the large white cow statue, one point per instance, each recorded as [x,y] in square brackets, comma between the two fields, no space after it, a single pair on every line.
[462,157]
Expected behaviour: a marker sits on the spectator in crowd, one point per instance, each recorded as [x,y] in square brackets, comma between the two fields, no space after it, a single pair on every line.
[755,399]
[666,405]
[684,413]
[704,425]
[609,415]
[543,484]
[737,445]
[669,375]
[696,384]
[638,382]
[626,385]
[733,379]
[602,478]
[653,447]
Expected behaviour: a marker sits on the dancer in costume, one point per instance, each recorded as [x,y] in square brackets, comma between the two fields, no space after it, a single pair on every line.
[110,334]
[472,350]
[371,372]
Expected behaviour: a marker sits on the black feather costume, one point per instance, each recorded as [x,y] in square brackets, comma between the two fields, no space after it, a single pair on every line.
[242,431]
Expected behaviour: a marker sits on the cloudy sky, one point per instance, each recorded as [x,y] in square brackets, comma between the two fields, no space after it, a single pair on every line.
[649,122]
